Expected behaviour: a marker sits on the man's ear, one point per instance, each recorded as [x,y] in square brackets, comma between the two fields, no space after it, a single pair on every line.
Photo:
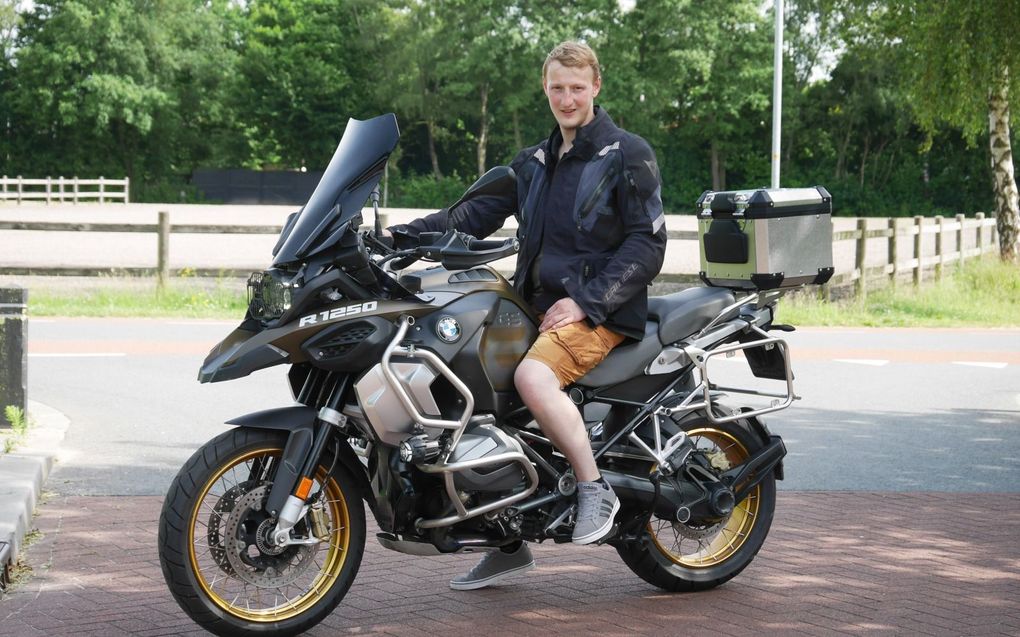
[597,87]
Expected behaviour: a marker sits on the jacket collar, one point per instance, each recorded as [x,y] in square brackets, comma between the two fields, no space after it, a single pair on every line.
[586,141]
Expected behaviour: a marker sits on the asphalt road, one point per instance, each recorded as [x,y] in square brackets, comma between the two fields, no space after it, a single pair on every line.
[881,410]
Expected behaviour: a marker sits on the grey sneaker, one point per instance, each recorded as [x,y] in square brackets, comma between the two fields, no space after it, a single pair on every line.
[597,505]
[495,566]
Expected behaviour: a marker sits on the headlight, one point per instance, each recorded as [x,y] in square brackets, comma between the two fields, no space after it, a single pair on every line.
[269,295]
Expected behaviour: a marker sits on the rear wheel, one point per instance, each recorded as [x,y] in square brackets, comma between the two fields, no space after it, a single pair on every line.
[214,540]
[698,555]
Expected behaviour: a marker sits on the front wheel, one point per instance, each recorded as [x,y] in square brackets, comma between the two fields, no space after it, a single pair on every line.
[214,548]
[697,555]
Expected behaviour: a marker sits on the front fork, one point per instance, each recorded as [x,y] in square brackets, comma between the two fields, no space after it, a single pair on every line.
[291,492]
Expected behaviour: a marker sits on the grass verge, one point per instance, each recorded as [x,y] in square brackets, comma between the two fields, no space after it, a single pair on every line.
[981,293]
[140,297]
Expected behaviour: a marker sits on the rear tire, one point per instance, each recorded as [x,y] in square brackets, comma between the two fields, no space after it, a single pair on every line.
[688,557]
[211,541]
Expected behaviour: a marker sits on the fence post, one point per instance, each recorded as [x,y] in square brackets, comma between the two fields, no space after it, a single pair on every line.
[48,191]
[939,254]
[959,239]
[13,350]
[980,216]
[918,227]
[127,190]
[163,251]
[861,284]
[102,190]
[894,230]
[76,189]
[4,182]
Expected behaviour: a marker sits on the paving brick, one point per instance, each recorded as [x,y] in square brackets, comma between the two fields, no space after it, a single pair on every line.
[834,563]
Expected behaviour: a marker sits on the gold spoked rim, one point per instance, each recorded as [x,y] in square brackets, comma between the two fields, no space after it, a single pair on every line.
[296,578]
[704,547]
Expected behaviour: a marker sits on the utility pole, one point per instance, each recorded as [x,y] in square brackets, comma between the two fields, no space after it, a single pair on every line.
[777,93]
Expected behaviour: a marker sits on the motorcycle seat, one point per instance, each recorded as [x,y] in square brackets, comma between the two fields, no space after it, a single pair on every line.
[625,361]
[682,313]
[672,317]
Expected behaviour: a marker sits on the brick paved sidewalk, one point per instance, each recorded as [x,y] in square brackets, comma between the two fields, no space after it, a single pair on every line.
[883,563]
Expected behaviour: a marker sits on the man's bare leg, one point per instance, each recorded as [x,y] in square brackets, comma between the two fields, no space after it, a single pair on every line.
[557,415]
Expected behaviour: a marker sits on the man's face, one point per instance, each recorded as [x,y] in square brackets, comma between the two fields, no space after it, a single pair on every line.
[571,91]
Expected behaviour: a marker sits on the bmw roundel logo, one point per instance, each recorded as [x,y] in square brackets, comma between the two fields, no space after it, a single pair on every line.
[448,329]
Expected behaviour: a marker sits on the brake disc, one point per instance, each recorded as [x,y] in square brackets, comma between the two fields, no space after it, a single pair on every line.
[248,551]
[217,521]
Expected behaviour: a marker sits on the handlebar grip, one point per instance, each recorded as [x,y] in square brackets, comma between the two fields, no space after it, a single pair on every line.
[429,238]
[488,244]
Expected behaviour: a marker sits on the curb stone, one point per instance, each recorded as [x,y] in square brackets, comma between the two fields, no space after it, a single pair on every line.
[22,475]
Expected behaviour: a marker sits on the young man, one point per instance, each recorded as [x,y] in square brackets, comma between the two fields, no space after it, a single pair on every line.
[593,237]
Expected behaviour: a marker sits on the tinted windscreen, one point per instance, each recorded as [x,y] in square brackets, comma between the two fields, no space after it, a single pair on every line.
[353,171]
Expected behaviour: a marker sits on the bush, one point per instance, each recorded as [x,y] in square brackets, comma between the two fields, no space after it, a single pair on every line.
[425,191]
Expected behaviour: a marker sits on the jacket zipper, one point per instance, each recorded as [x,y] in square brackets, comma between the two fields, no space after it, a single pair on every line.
[589,202]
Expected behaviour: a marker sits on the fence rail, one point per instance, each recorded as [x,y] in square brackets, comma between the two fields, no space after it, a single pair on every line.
[956,239]
[65,189]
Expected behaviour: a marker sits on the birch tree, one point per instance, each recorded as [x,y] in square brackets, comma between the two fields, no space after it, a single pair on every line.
[966,58]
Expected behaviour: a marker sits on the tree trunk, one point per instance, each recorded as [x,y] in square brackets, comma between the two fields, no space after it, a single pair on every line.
[1007,216]
[430,126]
[841,156]
[864,158]
[483,129]
[718,169]
[518,140]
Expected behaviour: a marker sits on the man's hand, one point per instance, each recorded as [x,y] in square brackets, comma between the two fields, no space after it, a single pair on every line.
[562,313]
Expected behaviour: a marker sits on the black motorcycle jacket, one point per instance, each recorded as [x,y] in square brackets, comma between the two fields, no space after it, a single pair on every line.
[590,224]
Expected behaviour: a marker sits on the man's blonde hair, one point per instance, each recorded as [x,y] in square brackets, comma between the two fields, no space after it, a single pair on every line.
[573,54]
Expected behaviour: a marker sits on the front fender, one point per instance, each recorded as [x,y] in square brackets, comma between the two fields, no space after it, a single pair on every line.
[300,421]
[239,354]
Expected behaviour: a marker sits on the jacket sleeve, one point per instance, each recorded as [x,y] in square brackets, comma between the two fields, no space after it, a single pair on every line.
[479,217]
[639,256]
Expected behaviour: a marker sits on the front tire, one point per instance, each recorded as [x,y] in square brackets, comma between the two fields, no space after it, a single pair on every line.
[212,545]
[692,557]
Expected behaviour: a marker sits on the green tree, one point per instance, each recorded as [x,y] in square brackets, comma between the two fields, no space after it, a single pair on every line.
[305,68]
[118,87]
[965,59]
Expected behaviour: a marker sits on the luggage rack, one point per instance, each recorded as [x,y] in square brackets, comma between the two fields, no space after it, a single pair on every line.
[700,350]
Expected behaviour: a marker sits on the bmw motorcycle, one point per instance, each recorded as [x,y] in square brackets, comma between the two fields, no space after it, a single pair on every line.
[405,402]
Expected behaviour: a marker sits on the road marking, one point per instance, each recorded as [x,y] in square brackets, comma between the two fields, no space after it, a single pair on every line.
[202,322]
[874,362]
[77,355]
[989,365]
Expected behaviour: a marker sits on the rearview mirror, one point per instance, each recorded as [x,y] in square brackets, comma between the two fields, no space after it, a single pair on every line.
[496,181]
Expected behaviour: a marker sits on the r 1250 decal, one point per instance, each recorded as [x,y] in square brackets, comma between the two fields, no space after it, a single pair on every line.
[338,313]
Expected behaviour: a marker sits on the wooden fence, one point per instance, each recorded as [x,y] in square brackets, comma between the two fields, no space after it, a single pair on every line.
[952,238]
[955,240]
[65,189]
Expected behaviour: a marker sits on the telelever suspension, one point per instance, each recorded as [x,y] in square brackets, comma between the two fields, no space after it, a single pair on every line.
[296,505]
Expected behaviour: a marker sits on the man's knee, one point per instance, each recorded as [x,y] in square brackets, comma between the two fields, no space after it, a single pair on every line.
[532,377]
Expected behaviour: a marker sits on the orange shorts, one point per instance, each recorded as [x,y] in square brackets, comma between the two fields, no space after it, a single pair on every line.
[574,350]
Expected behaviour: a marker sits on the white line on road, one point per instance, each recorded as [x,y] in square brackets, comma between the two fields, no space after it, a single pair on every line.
[863,361]
[77,354]
[981,364]
[202,322]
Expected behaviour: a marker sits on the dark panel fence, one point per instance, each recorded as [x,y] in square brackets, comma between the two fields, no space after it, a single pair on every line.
[241,186]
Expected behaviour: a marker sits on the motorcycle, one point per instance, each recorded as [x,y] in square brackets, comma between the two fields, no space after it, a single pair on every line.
[405,402]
